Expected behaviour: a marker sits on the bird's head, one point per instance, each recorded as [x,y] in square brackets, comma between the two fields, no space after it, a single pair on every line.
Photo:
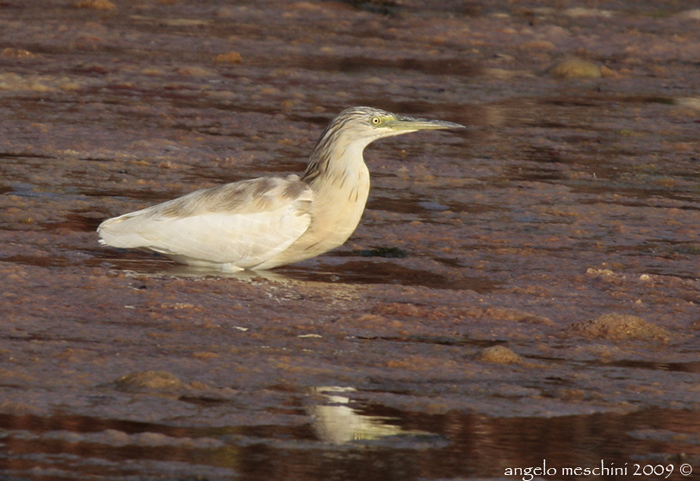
[367,123]
[341,144]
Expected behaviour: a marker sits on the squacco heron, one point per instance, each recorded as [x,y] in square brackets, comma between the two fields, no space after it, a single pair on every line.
[270,221]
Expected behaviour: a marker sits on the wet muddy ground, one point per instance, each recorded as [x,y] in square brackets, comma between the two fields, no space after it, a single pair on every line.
[523,292]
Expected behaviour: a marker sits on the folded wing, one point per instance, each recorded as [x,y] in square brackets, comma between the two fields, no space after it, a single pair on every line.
[237,225]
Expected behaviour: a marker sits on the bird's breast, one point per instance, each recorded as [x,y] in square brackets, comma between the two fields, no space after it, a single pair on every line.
[337,206]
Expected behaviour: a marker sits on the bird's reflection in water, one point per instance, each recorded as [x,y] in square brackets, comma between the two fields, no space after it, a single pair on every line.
[163,268]
[336,421]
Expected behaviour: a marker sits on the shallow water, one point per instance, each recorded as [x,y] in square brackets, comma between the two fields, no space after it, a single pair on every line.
[347,438]
[567,200]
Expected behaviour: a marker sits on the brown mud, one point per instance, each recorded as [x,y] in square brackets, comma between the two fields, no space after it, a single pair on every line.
[523,291]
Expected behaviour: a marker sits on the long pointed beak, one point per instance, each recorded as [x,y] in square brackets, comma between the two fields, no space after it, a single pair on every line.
[410,124]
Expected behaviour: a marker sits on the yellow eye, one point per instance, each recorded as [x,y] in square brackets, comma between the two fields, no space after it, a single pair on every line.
[376,121]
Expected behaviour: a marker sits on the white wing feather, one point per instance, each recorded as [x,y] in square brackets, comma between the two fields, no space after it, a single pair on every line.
[234,226]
